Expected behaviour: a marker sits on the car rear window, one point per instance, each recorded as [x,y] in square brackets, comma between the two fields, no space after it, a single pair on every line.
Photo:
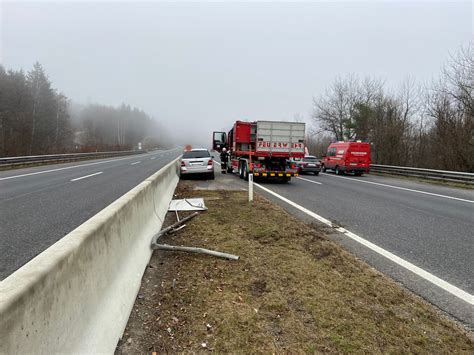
[310,159]
[196,154]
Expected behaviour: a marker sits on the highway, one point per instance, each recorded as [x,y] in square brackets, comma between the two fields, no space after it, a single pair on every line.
[433,231]
[426,225]
[429,226]
[40,205]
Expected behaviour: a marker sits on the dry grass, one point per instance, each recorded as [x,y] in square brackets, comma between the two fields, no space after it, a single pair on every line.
[292,291]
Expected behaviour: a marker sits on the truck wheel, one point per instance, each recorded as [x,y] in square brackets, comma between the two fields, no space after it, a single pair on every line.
[245,172]
[338,172]
[323,168]
[241,170]
[357,174]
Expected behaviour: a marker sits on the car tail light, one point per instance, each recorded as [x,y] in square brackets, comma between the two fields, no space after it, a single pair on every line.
[209,162]
[293,166]
[182,163]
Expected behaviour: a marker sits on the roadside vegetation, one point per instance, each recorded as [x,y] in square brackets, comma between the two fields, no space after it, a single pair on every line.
[35,118]
[425,126]
[292,291]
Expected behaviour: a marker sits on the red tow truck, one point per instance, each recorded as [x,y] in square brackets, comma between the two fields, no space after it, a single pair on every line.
[262,148]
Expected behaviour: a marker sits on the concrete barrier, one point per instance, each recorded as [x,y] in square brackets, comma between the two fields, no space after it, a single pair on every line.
[77,295]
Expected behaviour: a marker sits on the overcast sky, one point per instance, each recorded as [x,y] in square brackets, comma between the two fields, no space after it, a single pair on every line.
[199,66]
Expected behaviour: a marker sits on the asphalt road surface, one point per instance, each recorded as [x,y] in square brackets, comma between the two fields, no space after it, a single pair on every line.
[40,205]
[430,226]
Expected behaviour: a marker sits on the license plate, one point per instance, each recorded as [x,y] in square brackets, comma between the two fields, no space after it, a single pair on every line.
[353,163]
[312,165]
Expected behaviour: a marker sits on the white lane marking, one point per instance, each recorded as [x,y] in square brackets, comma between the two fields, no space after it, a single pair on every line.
[301,208]
[137,162]
[87,176]
[461,294]
[314,182]
[153,158]
[65,168]
[404,188]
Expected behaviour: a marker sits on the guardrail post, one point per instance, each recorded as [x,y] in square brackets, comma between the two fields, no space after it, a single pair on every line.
[250,187]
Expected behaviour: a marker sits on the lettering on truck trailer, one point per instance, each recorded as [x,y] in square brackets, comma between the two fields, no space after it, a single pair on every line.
[359,153]
[262,144]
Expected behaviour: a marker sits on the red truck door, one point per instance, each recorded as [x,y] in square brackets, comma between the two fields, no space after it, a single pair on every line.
[219,141]
[330,160]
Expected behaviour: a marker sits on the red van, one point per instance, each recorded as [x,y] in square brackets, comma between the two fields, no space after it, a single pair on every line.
[347,157]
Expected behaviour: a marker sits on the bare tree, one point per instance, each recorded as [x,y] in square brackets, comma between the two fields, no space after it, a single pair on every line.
[450,105]
[333,111]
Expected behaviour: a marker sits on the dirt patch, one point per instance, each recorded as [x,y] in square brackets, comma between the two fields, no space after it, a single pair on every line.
[292,291]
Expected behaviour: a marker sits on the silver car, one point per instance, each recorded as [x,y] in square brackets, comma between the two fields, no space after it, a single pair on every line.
[309,164]
[197,161]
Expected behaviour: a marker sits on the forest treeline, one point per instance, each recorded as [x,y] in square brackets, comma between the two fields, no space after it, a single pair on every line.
[37,119]
[430,127]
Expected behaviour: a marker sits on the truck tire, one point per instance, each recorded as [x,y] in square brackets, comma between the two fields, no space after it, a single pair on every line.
[245,172]
[323,168]
[338,171]
[241,169]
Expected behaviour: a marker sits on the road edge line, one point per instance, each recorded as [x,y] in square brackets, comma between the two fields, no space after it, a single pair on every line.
[444,285]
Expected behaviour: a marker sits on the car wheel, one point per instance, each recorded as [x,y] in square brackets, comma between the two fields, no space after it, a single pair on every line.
[316,173]
[323,168]
[212,176]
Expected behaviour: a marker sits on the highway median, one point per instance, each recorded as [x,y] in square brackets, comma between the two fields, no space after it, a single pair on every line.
[76,296]
[293,290]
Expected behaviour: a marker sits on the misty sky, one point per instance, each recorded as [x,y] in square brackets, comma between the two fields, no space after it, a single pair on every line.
[197,67]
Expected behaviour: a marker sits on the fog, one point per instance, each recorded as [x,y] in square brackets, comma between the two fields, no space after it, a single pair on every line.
[197,67]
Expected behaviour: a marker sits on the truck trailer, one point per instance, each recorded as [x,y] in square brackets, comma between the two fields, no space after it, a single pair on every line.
[262,148]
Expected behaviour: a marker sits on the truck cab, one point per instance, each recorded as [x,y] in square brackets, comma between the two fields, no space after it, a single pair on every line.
[219,141]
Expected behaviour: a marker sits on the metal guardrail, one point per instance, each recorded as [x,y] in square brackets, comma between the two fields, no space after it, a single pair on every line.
[430,174]
[14,162]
